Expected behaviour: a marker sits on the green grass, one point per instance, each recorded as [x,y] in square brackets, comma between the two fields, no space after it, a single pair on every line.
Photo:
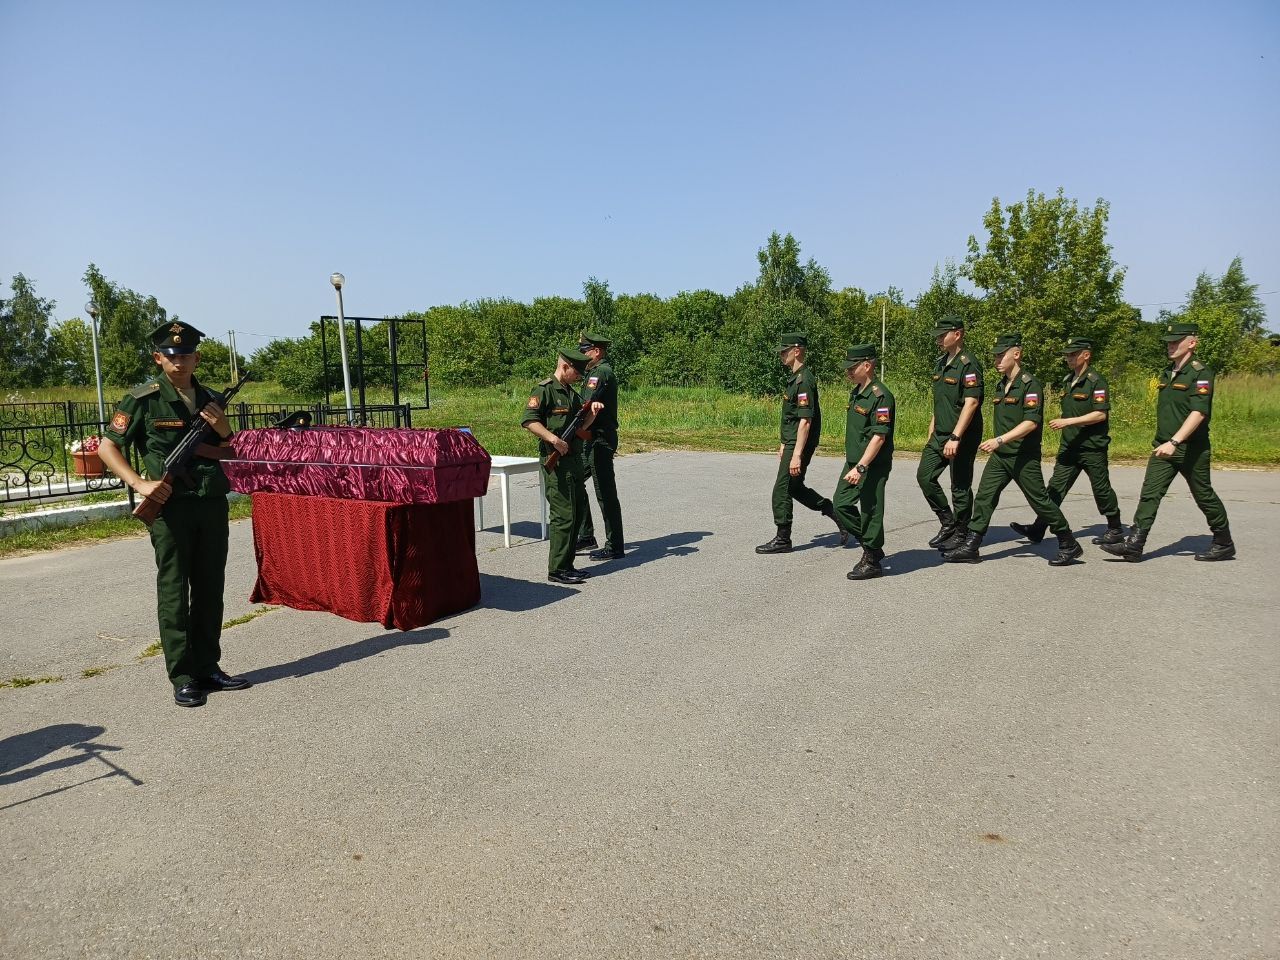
[29,681]
[251,615]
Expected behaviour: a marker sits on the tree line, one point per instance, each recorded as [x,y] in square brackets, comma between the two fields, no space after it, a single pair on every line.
[1043,267]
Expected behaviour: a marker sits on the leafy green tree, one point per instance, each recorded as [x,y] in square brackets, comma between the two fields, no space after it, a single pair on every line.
[125,321]
[25,359]
[215,362]
[915,352]
[1230,316]
[71,353]
[1047,271]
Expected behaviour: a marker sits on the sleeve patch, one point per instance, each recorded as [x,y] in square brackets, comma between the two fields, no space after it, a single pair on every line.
[970,379]
[1031,400]
[802,399]
[592,381]
[120,422]
[1202,386]
[533,402]
[1099,396]
[883,415]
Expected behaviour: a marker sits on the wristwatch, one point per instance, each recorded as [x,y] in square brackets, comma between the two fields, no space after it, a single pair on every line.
[954,437]
[1176,443]
[860,468]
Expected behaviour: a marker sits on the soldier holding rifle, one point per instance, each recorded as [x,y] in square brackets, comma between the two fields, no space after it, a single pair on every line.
[555,415]
[190,534]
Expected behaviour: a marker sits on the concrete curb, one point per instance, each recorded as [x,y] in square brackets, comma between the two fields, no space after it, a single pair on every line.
[59,517]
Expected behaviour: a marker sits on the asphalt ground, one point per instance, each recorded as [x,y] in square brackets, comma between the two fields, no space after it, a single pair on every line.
[700,753]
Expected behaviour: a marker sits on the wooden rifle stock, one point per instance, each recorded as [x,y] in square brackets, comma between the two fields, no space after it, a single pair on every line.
[575,429]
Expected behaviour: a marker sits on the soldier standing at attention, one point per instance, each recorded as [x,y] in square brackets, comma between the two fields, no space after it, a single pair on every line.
[601,385]
[868,452]
[551,408]
[800,432]
[1086,402]
[1015,456]
[955,429]
[190,535]
[1183,408]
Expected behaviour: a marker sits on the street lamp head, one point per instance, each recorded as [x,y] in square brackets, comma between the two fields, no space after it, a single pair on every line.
[91,309]
[337,280]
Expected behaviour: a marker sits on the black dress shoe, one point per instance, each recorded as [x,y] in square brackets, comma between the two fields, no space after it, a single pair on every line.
[570,577]
[605,554]
[221,681]
[585,543]
[190,695]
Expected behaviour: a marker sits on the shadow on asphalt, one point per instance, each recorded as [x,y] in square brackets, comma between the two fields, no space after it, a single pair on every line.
[517,596]
[1188,546]
[520,529]
[646,551]
[18,751]
[341,656]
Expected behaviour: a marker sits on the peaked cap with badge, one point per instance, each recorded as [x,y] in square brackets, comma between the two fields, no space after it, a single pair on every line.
[174,338]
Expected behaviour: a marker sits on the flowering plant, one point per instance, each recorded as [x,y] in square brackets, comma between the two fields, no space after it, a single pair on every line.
[87,445]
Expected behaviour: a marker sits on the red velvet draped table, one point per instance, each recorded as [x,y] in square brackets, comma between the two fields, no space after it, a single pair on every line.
[402,565]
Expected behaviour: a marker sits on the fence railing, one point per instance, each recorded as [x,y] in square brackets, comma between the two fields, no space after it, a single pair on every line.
[41,455]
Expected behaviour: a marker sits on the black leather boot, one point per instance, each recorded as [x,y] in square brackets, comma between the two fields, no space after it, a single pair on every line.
[1221,549]
[967,551]
[868,567]
[1130,548]
[1069,550]
[781,542]
[1114,534]
[948,521]
[957,537]
[1032,531]
[829,511]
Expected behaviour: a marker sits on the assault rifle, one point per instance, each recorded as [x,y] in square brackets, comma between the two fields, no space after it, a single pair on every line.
[567,435]
[177,463]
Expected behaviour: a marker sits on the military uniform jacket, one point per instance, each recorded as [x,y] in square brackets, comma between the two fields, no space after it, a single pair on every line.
[602,385]
[1017,400]
[1082,395]
[800,402]
[154,418]
[870,413]
[553,405]
[954,379]
[1191,388]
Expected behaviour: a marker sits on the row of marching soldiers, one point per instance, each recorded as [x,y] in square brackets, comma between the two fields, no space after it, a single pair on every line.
[1183,410]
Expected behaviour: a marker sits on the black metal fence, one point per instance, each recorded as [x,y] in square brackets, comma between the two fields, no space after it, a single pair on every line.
[43,455]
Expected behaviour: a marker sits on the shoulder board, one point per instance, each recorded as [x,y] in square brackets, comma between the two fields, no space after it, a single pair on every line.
[1026,378]
[144,390]
[1197,365]
[964,358]
[1093,377]
[875,388]
[543,383]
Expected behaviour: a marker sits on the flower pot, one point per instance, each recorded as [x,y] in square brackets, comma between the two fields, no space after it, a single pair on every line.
[89,465]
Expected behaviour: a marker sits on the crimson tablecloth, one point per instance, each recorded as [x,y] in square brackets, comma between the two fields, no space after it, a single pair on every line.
[401,565]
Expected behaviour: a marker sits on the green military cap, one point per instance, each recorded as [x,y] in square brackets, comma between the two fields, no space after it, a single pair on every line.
[789,340]
[577,358]
[1176,331]
[1076,344]
[591,339]
[175,337]
[1007,342]
[856,354]
[947,324]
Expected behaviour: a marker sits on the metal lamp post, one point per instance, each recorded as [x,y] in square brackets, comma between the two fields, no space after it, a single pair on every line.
[91,309]
[338,280]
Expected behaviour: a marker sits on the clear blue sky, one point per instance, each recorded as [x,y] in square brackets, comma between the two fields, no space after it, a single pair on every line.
[227,157]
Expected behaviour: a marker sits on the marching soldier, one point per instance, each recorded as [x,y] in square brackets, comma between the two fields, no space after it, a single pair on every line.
[1084,426]
[955,430]
[801,429]
[551,408]
[601,385]
[190,535]
[1183,409]
[868,451]
[1015,456]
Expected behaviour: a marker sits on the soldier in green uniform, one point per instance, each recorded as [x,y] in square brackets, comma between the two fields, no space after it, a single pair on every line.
[1183,409]
[1015,456]
[599,451]
[1086,402]
[955,430]
[800,432]
[868,452]
[551,407]
[190,535]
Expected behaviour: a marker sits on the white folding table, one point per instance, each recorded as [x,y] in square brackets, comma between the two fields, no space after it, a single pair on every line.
[504,467]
